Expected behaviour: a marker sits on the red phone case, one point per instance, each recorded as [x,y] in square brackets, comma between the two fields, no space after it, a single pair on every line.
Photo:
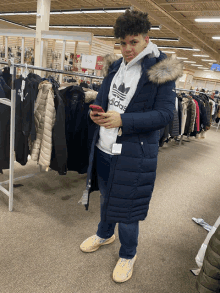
[96,108]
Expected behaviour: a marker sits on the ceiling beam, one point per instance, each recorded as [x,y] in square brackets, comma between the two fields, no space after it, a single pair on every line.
[141,7]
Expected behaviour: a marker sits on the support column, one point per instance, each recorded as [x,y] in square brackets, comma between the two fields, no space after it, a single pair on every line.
[62,60]
[22,54]
[6,48]
[42,24]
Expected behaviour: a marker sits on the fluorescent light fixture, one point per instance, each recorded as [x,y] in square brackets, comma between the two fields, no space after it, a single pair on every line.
[216,38]
[182,58]
[203,67]
[208,19]
[90,11]
[210,63]
[18,13]
[106,37]
[169,52]
[77,26]
[189,61]
[165,39]
[209,60]
[178,48]
[196,65]
[115,10]
[197,55]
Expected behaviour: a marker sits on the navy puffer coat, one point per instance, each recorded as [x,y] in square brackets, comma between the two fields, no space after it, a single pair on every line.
[133,172]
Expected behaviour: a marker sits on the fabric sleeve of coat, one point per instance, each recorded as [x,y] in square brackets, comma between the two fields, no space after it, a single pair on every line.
[208,280]
[59,147]
[159,117]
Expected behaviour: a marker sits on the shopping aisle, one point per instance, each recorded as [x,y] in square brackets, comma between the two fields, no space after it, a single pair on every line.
[40,239]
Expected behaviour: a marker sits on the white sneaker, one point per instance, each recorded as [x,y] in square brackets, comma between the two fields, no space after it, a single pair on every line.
[94,242]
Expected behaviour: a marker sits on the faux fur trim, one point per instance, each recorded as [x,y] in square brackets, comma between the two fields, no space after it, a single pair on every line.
[90,96]
[165,70]
[108,60]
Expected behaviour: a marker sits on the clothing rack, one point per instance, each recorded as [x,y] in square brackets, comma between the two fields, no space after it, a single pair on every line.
[186,90]
[11,103]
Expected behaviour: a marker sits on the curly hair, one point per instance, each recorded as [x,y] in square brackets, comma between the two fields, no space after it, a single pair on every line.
[131,23]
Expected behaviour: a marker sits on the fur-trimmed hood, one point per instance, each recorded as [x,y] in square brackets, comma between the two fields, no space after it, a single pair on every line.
[168,69]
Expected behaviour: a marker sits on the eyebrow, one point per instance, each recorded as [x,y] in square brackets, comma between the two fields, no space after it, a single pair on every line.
[130,41]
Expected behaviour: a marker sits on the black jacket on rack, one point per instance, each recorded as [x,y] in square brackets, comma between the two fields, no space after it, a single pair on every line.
[76,128]
[59,148]
[5,116]
[24,117]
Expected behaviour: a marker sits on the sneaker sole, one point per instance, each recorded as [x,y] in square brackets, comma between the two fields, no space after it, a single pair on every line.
[109,241]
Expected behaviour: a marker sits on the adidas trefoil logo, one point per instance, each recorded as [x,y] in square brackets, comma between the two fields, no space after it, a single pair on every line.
[121,92]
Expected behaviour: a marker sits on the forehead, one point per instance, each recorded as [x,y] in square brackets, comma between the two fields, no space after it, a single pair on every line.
[129,38]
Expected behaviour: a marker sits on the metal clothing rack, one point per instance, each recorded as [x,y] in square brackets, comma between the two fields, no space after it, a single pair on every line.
[11,103]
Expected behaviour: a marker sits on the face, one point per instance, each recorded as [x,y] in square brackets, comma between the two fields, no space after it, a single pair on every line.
[132,46]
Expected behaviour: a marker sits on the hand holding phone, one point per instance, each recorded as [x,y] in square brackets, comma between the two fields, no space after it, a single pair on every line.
[96,108]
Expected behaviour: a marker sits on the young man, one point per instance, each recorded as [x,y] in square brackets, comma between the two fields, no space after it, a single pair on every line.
[138,97]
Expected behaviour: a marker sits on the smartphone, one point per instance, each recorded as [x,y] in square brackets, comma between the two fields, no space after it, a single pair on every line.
[96,109]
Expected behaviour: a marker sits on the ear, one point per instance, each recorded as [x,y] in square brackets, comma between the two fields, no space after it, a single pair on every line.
[146,39]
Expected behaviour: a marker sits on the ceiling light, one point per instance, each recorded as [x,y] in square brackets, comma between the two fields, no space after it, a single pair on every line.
[209,60]
[178,48]
[203,68]
[189,61]
[201,55]
[195,65]
[181,58]
[18,13]
[210,63]
[216,38]
[119,10]
[155,27]
[165,39]
[107,37]
[169,52]
[77,26]
[210,19]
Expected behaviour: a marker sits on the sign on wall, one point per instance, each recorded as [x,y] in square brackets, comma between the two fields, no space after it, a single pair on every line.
[88,61]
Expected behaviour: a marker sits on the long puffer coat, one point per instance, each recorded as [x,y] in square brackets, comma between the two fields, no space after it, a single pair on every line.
[45,115]
[208,280]
[133,172]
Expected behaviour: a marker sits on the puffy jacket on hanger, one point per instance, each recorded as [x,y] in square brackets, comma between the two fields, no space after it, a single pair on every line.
[45,115]
[208,280]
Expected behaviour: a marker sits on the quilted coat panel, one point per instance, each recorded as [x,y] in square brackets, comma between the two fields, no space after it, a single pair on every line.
[45,115]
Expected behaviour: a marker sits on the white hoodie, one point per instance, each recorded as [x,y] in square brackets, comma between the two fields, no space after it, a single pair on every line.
[122,89]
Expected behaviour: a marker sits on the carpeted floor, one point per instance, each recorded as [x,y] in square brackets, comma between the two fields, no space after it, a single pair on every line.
[40,239]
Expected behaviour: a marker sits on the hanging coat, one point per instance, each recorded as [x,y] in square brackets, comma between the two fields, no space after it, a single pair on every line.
[133,172]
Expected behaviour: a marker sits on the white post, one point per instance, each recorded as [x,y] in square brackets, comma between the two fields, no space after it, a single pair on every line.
[22,54]
[6,48]
[42,24]
[12,140]
[62,60]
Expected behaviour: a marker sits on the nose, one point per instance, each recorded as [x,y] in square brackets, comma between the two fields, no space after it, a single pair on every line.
[128,48]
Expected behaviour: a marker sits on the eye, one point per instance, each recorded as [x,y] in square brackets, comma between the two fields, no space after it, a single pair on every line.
[122,44]
[133,42]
